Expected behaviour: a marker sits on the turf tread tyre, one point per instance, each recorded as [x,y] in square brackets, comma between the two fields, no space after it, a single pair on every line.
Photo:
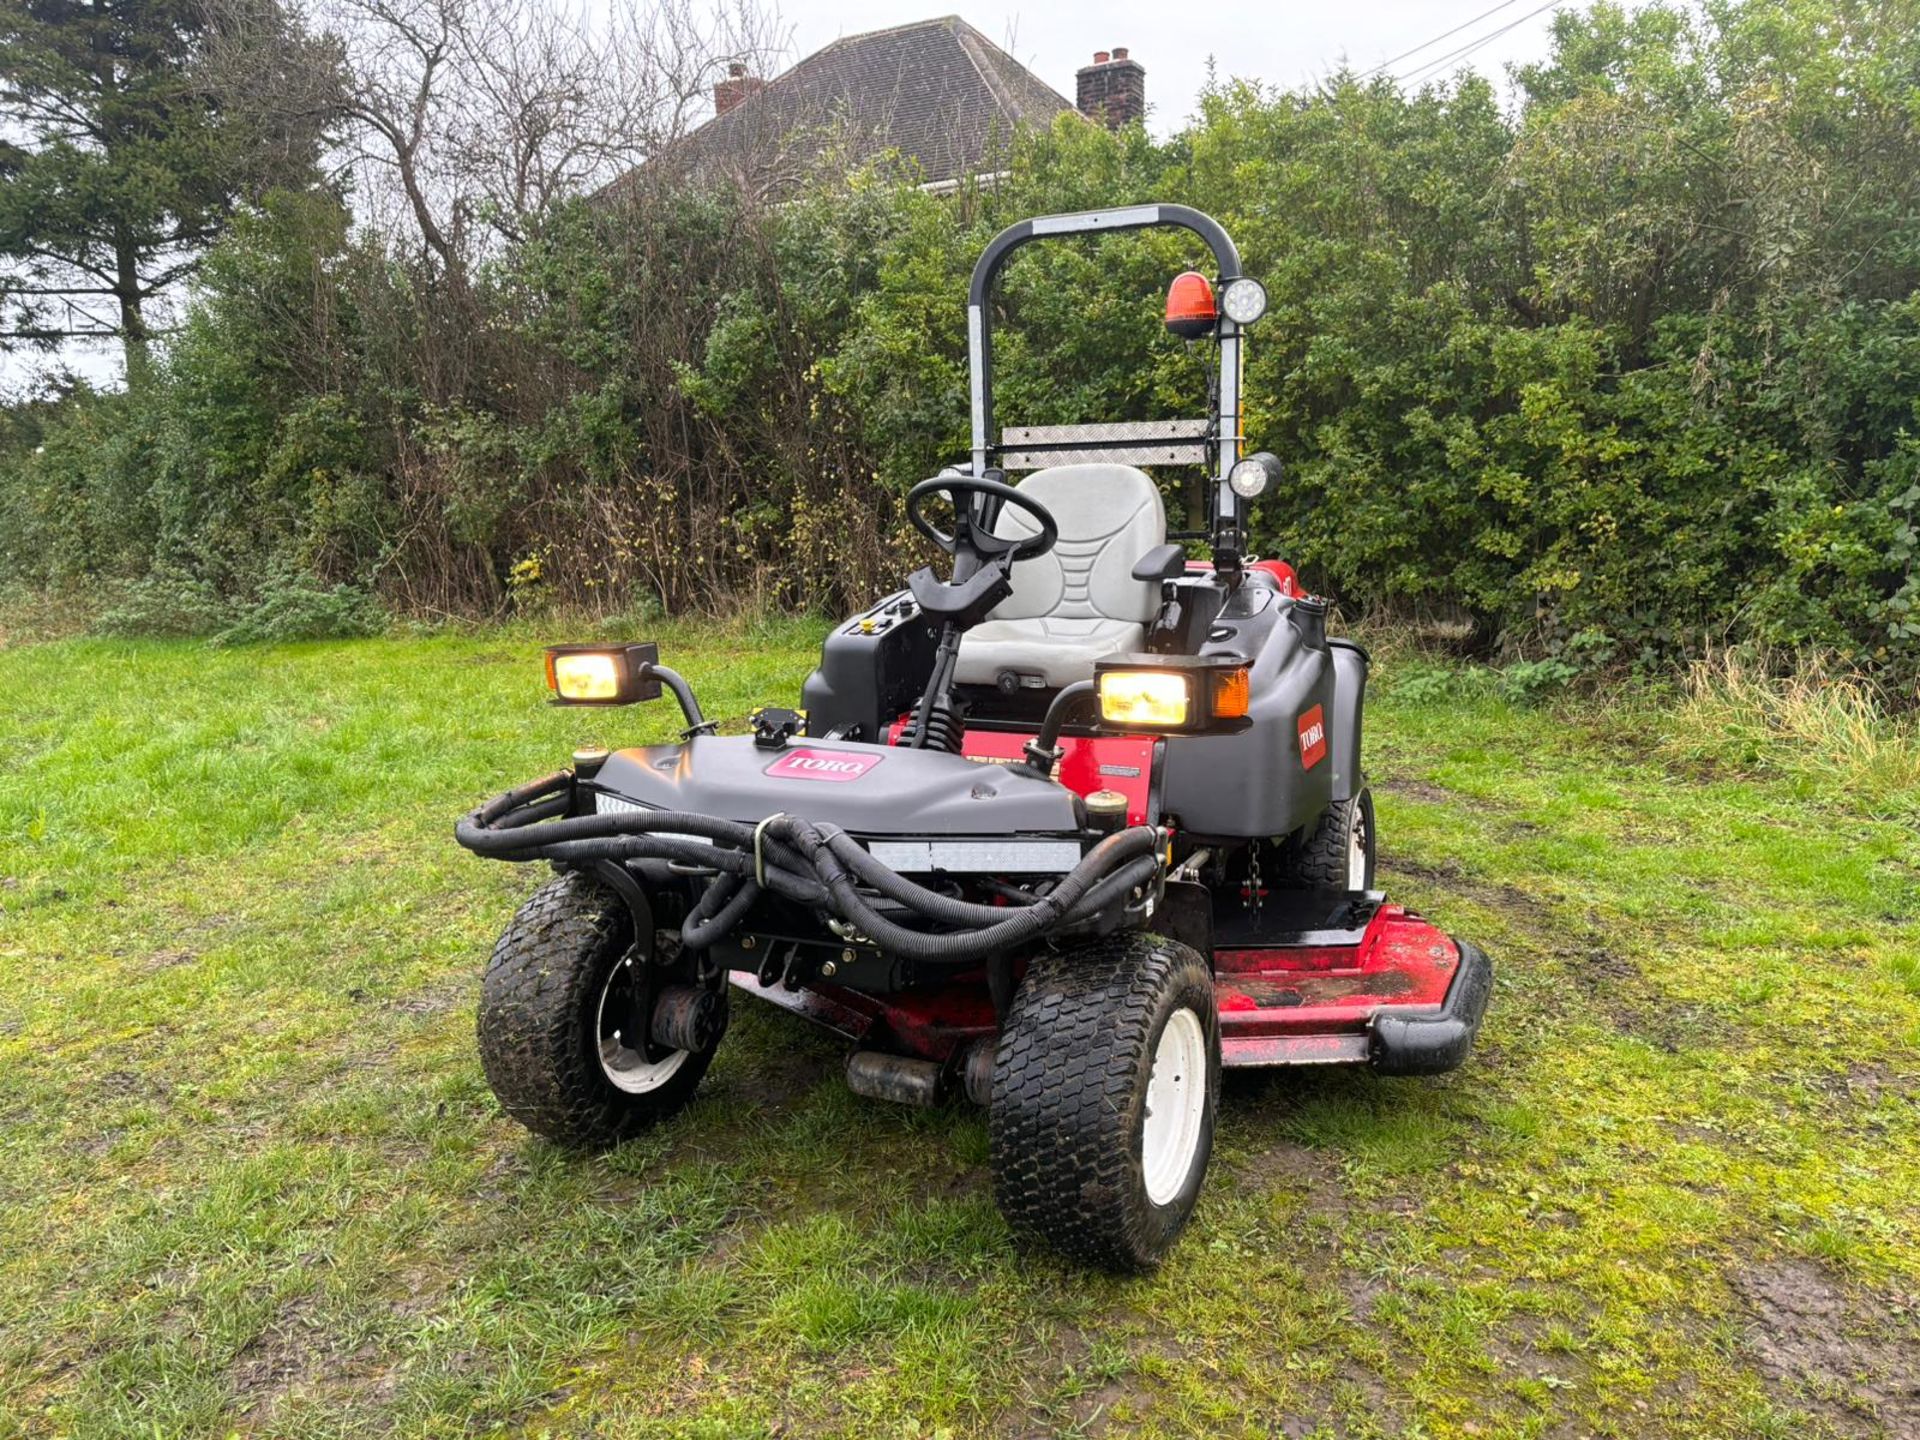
[1069,1094]
[537,1020]
[1321,859]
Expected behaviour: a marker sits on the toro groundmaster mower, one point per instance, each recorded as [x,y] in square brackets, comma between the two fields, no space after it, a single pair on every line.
[1064,832]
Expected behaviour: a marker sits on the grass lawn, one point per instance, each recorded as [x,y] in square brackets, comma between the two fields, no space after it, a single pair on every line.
[251,1179]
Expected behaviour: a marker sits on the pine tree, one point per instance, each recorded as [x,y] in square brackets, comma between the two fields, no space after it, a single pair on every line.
[130,131]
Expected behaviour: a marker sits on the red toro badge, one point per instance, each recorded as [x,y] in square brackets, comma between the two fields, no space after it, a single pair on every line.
[837,766]
[1313,738]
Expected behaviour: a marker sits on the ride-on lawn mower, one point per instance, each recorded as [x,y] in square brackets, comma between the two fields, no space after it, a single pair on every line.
[1064,832]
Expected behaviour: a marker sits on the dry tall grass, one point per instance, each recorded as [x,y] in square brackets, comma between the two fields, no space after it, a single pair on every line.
[1804,716]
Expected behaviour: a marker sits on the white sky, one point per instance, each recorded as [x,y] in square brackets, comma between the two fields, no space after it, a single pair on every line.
[1283,42]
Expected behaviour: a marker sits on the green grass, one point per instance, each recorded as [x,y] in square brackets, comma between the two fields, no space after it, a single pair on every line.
[251,1179]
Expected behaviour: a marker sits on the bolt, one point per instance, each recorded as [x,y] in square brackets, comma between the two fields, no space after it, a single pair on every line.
[748,943]
[616,1034]
[827,967]
[846,957]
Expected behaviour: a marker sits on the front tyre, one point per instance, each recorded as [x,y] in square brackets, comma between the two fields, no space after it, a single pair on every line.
[1105,1086]
[563,1026]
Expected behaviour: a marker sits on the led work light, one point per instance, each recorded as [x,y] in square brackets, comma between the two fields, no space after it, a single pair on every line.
[1172,692]
[1244,300]
[602,674]
[1252,475]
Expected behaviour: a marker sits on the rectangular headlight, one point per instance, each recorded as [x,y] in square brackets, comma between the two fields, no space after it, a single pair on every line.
[1161,699]
[1188,693]
[602,674]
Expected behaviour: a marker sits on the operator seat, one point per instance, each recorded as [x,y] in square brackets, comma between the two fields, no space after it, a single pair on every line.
[1078,603]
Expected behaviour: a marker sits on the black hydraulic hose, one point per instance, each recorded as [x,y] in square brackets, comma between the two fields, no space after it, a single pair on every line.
[1012,894]
[1051,912]
[558,783]
[786,881]
[1118,886]
[711,920]
[550,809]
[895,886]
[816,866]
[487,835]
[499,832]
[1111,852]
[626,835]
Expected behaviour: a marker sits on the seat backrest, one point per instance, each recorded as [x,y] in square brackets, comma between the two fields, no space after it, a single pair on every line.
[1109,516]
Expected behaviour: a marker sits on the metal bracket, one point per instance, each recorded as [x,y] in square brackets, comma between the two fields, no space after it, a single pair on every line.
[759,856]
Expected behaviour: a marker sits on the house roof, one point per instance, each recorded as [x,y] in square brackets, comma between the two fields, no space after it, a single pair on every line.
[937,91]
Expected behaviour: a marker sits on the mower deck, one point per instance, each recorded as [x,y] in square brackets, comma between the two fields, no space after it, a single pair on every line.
[1317,979]
[1311,978]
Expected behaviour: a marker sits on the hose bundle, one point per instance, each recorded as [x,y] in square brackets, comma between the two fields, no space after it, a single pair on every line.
[819,866]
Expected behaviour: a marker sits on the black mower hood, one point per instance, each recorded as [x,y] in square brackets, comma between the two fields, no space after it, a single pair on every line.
[864,789]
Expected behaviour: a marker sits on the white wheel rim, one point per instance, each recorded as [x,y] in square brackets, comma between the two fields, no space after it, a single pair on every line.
[1176,1107]
[624,1063]
[1357,851]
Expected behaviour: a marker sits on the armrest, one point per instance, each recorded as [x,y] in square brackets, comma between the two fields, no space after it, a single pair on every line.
[1163,562]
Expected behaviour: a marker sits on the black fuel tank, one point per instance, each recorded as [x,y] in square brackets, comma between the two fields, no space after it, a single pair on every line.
[864,789]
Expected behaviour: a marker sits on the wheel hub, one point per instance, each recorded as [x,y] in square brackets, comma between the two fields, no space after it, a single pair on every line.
[1176,1107]
[1357,855]
[628,1060]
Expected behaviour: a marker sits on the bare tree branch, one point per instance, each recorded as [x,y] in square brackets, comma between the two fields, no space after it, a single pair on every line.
[487,113]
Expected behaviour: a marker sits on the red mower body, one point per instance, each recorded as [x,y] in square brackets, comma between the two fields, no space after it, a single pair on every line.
[1301,977]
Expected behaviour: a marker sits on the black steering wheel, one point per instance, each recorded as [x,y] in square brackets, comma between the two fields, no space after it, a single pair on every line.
[984,544]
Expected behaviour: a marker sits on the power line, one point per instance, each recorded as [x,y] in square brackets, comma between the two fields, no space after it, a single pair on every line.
[1443,35]
[1431,68]
[1427,71]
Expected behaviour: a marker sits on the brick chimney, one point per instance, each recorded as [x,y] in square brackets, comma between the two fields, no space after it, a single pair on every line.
[1113,89]
[736,87]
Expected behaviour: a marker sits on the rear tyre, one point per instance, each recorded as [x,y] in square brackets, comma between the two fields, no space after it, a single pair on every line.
[562,1035]
[1339,852]
[1105,1086]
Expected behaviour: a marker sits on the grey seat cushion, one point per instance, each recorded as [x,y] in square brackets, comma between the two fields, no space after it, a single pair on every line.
[1079,603]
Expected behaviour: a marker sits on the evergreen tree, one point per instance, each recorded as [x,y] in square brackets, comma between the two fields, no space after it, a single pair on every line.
[130,130]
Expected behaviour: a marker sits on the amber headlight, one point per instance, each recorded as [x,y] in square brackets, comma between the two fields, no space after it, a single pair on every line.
[602,674]
[1160,699]
[1173,692]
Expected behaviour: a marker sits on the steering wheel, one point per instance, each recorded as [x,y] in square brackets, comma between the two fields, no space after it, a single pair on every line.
[982,543]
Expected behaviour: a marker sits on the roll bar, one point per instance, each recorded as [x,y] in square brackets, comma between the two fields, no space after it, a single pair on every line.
[1128,217]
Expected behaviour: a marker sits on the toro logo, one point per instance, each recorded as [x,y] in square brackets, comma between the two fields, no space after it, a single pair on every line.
[1313,738]
[836,766]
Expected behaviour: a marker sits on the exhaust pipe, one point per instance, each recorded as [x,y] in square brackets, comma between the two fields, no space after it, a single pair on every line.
[879,1076]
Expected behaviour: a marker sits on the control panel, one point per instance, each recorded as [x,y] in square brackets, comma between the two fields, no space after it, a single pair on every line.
[895,610]
[872,669]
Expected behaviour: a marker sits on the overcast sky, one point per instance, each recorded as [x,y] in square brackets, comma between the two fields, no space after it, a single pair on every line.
[1283,42]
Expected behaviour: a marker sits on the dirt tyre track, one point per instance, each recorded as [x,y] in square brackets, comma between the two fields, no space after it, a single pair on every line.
[1068,1123]
[539,1021]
